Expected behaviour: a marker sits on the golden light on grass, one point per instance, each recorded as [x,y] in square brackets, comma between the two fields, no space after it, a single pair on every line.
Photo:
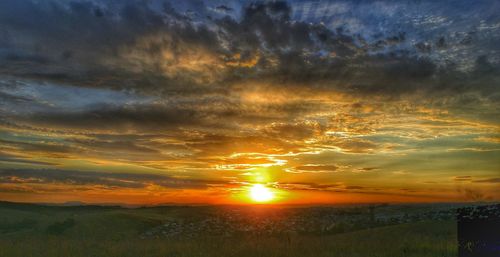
[261,194]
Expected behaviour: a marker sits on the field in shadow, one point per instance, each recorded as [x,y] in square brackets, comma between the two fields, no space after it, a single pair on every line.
[414,230]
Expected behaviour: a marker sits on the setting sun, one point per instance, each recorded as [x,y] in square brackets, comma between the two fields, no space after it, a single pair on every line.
[260,193]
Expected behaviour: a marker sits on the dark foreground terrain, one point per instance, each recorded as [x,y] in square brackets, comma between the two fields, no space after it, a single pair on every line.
[382,230]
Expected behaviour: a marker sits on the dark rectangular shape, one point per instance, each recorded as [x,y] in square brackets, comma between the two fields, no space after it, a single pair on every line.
[479,231]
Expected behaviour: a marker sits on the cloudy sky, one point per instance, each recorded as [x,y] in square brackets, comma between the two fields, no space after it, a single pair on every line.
[137,101]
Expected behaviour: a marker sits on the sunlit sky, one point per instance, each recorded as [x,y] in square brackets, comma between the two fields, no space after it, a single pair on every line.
[310,102]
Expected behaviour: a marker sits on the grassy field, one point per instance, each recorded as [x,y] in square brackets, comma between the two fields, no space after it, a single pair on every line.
[104,231]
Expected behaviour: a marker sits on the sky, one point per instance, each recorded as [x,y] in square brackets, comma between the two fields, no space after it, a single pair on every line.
[320,102]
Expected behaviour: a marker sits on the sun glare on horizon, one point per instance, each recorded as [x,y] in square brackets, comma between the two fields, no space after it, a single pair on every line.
[260,193]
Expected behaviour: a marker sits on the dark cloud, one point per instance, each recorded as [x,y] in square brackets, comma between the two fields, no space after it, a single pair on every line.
[120,146]
[299,131]
[155,118]
[118,118]
[357,146]
[490,180]
[214,144]
[40,146]
[9,158]
[316,168]
[462,178]
[93,42]
[87,35]
[120,180]
[368,169]
[354,187]
[311,186]
[224,8]
[323,187]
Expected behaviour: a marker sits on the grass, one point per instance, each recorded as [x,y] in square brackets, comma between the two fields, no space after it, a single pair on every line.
[115,232]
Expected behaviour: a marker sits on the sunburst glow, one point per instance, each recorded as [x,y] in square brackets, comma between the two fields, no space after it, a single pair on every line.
[260,193]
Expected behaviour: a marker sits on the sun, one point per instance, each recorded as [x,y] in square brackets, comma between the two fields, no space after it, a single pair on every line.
[260,193]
